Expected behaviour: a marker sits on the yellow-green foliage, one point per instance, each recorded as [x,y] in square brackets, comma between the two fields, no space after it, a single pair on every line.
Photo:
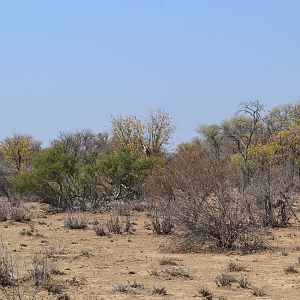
[19,151]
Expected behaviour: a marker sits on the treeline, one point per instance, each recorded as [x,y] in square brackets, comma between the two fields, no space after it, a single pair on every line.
[82,169]
[224,189]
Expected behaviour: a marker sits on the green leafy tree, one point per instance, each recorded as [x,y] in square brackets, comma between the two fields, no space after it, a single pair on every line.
[126,170]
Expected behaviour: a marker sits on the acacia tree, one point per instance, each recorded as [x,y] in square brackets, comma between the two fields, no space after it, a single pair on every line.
[128,131]
[213,136]
[149,137]
[241,132]
[158,131]
[19,151]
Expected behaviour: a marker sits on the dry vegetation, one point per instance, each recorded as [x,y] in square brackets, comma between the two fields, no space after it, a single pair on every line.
[77,263]
[96,216]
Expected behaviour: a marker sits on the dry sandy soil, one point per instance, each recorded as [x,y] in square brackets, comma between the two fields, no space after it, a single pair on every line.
[91,266]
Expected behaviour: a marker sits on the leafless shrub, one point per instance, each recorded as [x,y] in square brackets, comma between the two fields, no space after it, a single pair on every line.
[244,282]
[41,270]
[224,279]
[159,290]
[11,279]
[75,221]
[161,220]
[204,292]
[128,226]
[99,228]
[122,288]
[176,272]
[114,224]
[221,221]
[290,270]
[234,267]
[55,250]
[19,214]
[127,287]
[258,292]
[209,213]
[136,285]
[272,188]
[8,268]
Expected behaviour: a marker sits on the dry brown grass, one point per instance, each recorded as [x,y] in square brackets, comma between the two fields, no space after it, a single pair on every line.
[103,262]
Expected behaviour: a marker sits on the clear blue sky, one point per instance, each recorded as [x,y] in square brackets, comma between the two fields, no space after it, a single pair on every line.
[68,65]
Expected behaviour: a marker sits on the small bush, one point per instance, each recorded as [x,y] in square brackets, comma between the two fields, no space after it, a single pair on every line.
[122,288]
[41,271]
[99,228]
[126,288]
[234,267]
[176,272]
[291,270]
[19,214]
[203,292]
[244,282]
[224,279]
[161,221]
[76,222]
[258,292]
[159,290]
[136,285]
[8,270]
[128,227]
[114,224]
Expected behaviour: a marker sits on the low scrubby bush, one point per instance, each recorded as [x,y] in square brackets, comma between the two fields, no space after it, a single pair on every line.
[159,291]
[99,228]
[224,279]
[76,221]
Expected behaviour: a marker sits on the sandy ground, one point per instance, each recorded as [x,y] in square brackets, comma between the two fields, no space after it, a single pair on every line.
[92,265]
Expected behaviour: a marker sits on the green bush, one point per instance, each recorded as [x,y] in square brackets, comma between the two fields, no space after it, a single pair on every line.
[126,169]
[64,180]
